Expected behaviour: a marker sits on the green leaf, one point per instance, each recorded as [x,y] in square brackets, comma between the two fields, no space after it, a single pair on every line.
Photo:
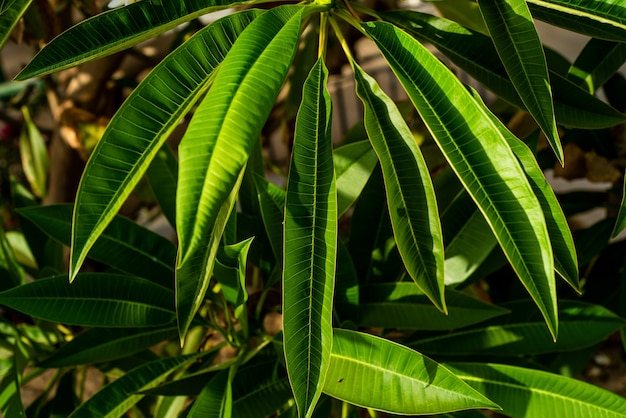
[11,404]
[598,19]
[354,164]
[12,274]
[217,143]
[215,400]
[515,38]
[565,262]
[310,242]
[115,30]
[117,397]
[482,160]
[123,244]
[530,393]
[522,332]
[596,63]
[410,193]
[10,14]
[402,305]
[476,55]
[371,372]
[99,345]
[142,124]
[620,222]
[34,153]
[230,272]
[162,175]
[97,299]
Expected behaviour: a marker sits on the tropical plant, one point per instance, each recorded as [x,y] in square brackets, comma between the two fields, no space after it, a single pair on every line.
[430,230]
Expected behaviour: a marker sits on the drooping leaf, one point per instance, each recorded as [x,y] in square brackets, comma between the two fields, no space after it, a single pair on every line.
[97,299]
[162,175]
[354,164]
[410,193]
[10,14]
[481,158]
[596,63]
[114,31]
[117,397]
[598,19]
[475,54]
[215,400]
[99,345]
[35,161]
[216,146]
[565,261]
[123,244]
[524,392]
[142,124]
[522,332]
[310,242]
[517,43]
[402,305]
[372,372]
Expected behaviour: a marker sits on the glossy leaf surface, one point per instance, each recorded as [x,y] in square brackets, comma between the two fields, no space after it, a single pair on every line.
[140,127]
[114,31]
[376,373]
[528,393]
[215,400]
[515,38]
[354,163]
[409,190]
[475,54]
[482,160]
[97,299]
[596,63]
[310,242]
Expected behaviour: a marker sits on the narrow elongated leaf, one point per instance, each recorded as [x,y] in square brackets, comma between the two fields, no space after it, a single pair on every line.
[120,395]
[123,245]
[410,193]
[530,393]
[402,305]
[232,261]
[475,54]
[272,203]
[142,124]
[596,63]
[482,160]
[354,164]
[11,404]
[620,222]
[215,400]
[522,332]
[515,38]
[9,16]
[114,31]
[565,261]
[99,345]
[162,175]
[10,270]
[310,245]
[375,373]
[97,299]
[218,141]
[598,19]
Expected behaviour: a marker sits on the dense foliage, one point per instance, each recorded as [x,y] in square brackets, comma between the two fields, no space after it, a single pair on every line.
[422,265]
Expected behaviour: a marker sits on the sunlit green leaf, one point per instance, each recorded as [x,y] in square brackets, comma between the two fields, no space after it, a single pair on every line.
[142,124]
[310,242]
[35,161]
[596,63]
[215,400]
[11,404]
[410,194]
[481,158]
[11,12]
[162,174]
[515,38]
[354,163]
[375,373]
[530,393]
[271,203]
